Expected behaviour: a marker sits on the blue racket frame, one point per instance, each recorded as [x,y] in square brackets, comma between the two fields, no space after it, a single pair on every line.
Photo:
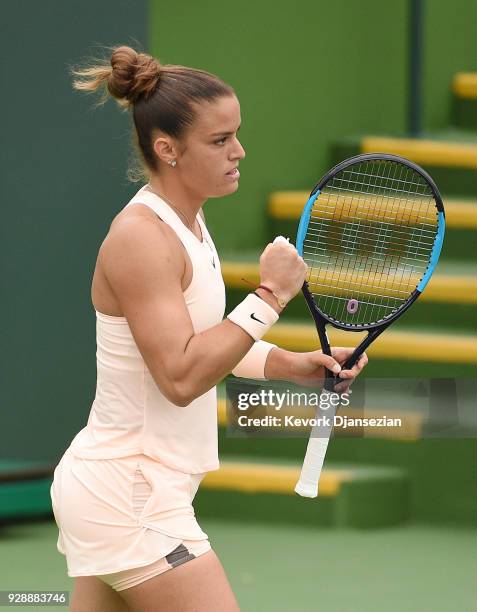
[376,328]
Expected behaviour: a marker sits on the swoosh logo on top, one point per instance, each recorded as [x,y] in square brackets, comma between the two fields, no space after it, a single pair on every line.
[252,316]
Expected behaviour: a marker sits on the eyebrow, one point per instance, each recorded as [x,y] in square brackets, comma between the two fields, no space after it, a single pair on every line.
[226,133]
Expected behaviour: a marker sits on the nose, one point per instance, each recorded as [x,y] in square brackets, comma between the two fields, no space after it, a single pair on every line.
[238,151]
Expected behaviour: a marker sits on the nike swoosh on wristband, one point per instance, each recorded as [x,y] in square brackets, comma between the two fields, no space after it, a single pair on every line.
[252,316]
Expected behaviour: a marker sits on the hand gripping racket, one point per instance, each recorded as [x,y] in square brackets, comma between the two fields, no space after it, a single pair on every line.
[371,234]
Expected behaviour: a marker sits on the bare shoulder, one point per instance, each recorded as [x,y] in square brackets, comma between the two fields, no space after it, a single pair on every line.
[139,223]
[139,242]
[134,215]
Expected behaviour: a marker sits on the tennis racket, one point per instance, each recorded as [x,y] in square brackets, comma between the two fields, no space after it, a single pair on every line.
[371,234]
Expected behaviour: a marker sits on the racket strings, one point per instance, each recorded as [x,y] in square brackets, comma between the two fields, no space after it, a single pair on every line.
[348,236]
[375,209]
[369,240]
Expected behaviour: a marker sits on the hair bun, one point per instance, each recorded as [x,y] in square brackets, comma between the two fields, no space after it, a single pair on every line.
[133,74]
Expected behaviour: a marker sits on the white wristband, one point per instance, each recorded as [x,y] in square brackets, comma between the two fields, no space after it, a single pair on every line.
[253,363]
[254,316]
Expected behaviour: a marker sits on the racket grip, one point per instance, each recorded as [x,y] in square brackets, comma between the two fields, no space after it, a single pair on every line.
[307,485]
[330,380]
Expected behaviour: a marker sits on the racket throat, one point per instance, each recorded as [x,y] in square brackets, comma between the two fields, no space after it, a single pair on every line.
[330,378]
[370,338]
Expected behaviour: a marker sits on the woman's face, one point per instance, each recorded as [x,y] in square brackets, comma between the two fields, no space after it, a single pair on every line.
[210,152]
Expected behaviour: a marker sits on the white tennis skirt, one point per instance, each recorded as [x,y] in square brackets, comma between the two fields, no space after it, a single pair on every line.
[117,514]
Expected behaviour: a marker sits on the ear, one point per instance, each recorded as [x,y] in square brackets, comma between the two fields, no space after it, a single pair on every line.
[165,148]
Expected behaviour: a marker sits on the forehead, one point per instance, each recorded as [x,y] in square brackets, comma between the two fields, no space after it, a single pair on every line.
[220,115]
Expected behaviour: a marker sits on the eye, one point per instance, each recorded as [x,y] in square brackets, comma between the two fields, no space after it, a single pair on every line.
[221,141]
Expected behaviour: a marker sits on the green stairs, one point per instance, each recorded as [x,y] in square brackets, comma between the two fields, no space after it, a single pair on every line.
[436,338]
[24,489]
[350,495]
[464,88]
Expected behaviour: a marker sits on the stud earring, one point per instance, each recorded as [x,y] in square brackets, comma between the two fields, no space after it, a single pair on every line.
[172,163]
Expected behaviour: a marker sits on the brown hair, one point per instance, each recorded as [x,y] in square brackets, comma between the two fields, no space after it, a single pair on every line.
[160,96]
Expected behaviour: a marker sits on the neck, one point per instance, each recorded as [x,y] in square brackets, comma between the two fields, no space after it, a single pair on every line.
[178,196]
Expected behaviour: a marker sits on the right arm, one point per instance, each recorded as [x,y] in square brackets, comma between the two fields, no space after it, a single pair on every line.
[143,262]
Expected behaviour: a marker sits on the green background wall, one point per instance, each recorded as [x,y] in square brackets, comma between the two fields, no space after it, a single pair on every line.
[62,179]
[450,46]
[306,73]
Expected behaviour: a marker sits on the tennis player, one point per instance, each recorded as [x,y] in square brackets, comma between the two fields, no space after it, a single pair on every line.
[122,493]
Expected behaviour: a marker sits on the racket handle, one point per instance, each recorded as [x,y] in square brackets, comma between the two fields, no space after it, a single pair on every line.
[307,485]
[330,380]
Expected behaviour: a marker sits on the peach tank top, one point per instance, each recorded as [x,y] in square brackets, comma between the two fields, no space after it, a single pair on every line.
[129,414]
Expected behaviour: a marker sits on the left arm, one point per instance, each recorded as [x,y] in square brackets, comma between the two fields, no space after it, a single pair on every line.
[307,369]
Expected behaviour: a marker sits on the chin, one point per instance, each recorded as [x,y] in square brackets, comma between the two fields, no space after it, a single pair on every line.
[228,190]
[232,188]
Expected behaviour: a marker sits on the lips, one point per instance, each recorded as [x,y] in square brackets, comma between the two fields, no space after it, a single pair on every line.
[234,172]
